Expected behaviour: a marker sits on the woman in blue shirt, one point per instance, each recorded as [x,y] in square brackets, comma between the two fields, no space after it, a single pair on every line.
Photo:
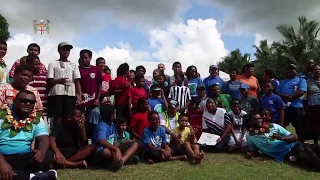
[193,80]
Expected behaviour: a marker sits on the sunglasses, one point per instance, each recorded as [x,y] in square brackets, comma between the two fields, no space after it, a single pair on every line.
[25,101]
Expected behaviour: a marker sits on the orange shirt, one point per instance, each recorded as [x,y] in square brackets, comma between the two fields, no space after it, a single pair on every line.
[252,82]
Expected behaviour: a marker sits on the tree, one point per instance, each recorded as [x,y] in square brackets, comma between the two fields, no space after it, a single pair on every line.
[298,47]
[4,29]
[234,61]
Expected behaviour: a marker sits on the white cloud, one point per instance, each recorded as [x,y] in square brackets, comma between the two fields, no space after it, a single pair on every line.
[198,42]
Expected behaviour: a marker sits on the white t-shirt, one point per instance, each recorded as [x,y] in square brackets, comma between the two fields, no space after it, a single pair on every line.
[173,123]
[59,69]
[237,121]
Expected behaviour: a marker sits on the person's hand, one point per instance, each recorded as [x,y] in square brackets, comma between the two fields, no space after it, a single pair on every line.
[118,155]
[81,122]
[287,98]
[60,159]
[218,140]
[79,100]
[128,85]
[162,94]
[96,102]
[38,156]
[173,136]
[277,136]
[6,171]
[166,153]
[238,143]
[204,145]
[250,155]
[61,80]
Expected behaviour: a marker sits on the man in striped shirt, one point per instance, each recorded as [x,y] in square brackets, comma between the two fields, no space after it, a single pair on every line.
[39,80]
[180,93]
[216,121]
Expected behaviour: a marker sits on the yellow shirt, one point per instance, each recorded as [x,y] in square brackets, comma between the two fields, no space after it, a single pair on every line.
[185,133]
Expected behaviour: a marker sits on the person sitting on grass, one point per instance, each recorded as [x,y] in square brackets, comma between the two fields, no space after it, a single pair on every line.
[187,140]
[139,120]
[154,142]
[124,141]
[221,100]
[280,144]
[248,103]
[195,116]
[69,142]
[106,138]
[17,159]
[239,120]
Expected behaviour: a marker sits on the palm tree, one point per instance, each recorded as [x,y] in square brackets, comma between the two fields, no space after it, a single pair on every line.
[298,47]
[235,60]
[4,29]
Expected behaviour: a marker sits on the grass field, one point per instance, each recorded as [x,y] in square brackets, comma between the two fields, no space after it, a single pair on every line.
[219,166]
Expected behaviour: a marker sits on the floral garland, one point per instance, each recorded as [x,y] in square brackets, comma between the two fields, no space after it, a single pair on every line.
[16,126]
[264,129]
[2,63]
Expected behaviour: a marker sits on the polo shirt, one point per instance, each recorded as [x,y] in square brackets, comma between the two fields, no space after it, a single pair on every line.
[215,123]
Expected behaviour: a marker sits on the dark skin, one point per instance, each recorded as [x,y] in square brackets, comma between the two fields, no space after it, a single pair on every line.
[291,73]
[3,50]
[24,105]
[33,50]
[268,90]
[257,122]
[233,75]
[146,108]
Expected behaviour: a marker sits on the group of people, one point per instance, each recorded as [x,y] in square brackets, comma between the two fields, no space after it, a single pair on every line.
[70,115]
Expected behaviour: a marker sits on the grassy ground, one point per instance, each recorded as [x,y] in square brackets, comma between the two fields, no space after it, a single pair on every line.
[220,166]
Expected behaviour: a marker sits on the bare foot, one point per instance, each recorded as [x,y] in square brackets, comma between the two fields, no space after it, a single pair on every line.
[150,161]
[84,164]
[184,158]
[198,157]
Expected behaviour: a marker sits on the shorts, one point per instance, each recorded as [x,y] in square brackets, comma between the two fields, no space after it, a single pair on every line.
[125,146]
[178,149]
[60,105]
[232,141]
[154,155]
[68,152]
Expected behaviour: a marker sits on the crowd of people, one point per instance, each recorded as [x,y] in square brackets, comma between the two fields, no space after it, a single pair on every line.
[74,115]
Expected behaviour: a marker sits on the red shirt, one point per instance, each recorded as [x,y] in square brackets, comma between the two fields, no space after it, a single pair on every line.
[91,78]
[139,121]
[106,79]
[122,97]
[136,93]
[195,120]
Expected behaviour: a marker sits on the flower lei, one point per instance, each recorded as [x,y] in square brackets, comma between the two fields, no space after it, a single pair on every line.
[264,129]
[16,126]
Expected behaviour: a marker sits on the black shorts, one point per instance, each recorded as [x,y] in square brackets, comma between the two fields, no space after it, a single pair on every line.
[125,146]
[60,106]
[155,156]
[68,152]
[178,149]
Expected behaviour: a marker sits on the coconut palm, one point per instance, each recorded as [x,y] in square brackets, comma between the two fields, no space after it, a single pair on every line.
[235,60]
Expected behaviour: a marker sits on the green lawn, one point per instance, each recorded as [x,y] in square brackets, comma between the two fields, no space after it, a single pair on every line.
[220,166]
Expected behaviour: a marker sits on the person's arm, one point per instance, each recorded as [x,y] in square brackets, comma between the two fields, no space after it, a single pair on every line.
[6,171]
[302,89]
[39,105]
[82,133]
[132,127]
[78,90]
[281,118]
[227,124]
[283,134]
[204,125]
[99,88]
[102,134]
[165,102]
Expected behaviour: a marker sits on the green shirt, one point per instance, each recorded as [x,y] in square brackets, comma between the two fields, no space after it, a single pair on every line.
[223,101]
[123,138]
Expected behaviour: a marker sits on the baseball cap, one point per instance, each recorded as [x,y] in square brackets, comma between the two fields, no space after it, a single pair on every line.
[292,66]
[173,103]
[213,67]
[155,87]
[244,86]
[201,88]
[64,44]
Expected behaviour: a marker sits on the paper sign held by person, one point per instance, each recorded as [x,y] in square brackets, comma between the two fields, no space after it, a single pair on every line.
[208,139]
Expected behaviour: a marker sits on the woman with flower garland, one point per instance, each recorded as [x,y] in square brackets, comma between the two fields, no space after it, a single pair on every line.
[21,124]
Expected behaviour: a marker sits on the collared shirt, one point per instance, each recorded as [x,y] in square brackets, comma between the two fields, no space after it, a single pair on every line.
[215,123]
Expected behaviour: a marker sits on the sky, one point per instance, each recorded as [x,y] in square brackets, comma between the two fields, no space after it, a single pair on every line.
[146,32]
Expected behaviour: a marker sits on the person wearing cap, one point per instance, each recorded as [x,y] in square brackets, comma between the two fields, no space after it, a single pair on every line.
[248,103]
[63,84]
[212,79]
[248,78]
[169,118]
[157,101]
[291,90]
[232,86]
[193,80]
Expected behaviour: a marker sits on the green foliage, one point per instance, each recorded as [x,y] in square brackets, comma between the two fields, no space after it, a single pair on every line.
[234,61]
[4,29]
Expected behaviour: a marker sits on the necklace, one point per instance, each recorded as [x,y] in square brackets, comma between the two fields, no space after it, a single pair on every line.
[16,126]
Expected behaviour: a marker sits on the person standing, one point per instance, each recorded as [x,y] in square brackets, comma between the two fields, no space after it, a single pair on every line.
[212,79]
[106,77]
[63,84]
[232,86]
[3,66]
[248,78]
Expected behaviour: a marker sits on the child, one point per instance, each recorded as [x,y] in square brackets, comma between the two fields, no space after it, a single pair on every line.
[195,116]
[180,93]
[163,84]
[137,92]
[248,103]
[139,120]
[157,101]
[132,75]
[239,121]
[65,139]
[221,100]
[201,90]
[272,102]
[105,136]
[23,60]
[155,143]
[187,140]
[123,140]
[266,115]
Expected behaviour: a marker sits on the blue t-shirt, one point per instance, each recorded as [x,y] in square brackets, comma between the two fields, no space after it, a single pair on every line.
[157,139]
[288,87]
[273,103]
[275,83]
[277,149]
[193,84]
[105,131]
[232,88]
[21,143]
[209,81]
[95,116]
[156,104]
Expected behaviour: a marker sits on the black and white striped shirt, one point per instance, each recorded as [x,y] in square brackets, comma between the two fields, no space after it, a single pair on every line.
[215,123]
[181,94]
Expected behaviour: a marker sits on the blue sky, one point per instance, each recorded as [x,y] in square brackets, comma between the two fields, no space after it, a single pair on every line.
[139,40]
